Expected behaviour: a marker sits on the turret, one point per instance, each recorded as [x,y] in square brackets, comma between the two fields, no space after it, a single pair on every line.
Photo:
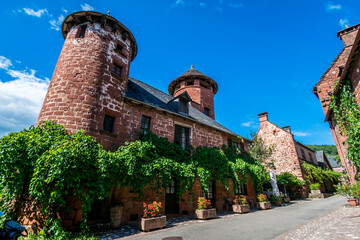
[200,88]
[91,74]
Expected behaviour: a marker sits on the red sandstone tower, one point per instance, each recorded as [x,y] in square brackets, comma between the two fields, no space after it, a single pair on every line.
[91,74]
[200,87]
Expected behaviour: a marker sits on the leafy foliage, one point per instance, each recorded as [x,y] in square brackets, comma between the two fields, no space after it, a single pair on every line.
[44,166]
[260,151]
[318,175]
[152,210]
[240,200]
[315,186]
[347,115]
[203,203]
[329,150]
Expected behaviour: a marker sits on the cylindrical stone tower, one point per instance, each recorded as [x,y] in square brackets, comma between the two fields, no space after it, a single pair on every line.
[200,88]
[91,74]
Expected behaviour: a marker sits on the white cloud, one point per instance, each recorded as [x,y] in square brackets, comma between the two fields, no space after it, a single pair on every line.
[21,99]
[179,3]
[247,124]
[202,4]
[300,134]
[343,22]
[55,24]
[87,7]
[32,12]
[5,63]
[235,5]
[64,10]
[331,7]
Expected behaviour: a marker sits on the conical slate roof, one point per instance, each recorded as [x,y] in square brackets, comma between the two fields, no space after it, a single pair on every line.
[192,74]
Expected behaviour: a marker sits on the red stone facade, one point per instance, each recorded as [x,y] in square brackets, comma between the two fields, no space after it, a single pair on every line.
[84,89]
[287,154]
[325,88]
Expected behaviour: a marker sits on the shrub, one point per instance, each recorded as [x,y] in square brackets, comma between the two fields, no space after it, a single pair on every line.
[152,210]
[279,198]
[315,186]
[240,200]
[203,203]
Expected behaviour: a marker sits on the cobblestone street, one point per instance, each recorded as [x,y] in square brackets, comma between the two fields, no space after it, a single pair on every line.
[342,223]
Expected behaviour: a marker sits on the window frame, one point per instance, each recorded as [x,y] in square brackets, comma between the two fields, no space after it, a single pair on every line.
[112,123]
[144,130]
[179,138]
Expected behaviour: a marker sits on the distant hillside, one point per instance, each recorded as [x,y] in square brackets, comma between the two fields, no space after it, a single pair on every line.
[330,150]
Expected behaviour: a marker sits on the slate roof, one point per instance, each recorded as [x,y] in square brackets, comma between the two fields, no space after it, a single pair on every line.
[146,94]
[333,163]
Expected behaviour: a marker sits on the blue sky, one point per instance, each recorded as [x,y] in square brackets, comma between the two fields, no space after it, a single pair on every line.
[265,55]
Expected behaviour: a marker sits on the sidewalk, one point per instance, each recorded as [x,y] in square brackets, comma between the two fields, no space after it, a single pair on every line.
[342,223]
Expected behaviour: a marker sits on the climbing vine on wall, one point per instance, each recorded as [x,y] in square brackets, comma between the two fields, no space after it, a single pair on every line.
[318,175]
[347,115]
[41,167]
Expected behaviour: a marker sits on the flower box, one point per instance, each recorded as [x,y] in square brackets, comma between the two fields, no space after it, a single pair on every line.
[352,202]
[241,208]
[147,224]
[263,205]
[206,213]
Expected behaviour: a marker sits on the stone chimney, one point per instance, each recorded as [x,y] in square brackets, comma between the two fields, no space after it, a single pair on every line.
[287,128]
[263,118]
[348,35]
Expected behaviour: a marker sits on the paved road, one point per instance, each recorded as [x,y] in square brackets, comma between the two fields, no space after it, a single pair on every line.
[257,225]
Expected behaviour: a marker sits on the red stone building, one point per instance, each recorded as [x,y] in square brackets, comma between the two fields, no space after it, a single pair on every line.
[91,90]
[345,66]
[287,153]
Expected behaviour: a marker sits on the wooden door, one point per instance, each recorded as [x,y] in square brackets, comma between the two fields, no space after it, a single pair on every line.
[171,199]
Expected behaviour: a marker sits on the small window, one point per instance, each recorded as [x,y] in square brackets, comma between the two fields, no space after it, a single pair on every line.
[119,48]
[240,189]
[207,111]
[145,124]
[203,85]
[310,156]
[210,193]
[82,31]
[108,123]
[182,136]
[117,69]
[341,69]
[183,106]
[303,154]
[190,83]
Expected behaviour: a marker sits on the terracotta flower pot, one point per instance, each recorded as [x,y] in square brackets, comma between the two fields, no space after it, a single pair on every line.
[352,202]
[277,203]
[241,208]
[147,224]
[206,213]
[264,205]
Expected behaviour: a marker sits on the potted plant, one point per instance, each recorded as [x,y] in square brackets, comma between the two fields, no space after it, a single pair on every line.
[277,200]
[351,192]
[315,188]
[263,202]
[241,204]
[204,210]
[152,218]
[286,198]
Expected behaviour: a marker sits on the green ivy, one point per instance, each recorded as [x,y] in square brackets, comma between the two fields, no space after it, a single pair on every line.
[347,115]
[317,175]
[46,165]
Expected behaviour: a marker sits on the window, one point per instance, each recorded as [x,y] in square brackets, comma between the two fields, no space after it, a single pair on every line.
[240,189]
[190,83]
[119,48]
[108,123]
[117,69]
[210,193]
[171,189]
[82,31]
[183,106]
[341,69]
[182,136]
[303,154]
[310,156]
[207,111]
[145,124]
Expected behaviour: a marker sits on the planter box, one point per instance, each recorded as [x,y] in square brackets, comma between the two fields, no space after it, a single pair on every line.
[352,202]
[147,224]
[241,208]
[115,216]
[206,213]
[286,199]
[264,205]
[315,192]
